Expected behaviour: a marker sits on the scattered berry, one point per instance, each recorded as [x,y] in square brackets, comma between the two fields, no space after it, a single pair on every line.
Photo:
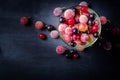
[39,25]
[24,20]
[50,27]
[103,20]
[57,11]
[75,55]
[61,20]
[60,49]
[42,36]
[54,34]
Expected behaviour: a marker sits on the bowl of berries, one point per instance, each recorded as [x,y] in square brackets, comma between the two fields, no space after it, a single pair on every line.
[79,26]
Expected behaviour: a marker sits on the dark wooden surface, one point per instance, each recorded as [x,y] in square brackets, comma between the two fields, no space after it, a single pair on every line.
[23,56]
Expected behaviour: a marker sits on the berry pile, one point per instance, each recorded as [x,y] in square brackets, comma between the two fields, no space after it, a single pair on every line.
[79,26]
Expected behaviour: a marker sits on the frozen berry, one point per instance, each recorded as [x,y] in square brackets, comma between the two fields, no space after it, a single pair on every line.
[94,29]
[83,19]
[73,44]
[72,51]
[96,34]
[57,11]
[61,20]
[90,22]
[60,49]
[54,34]
[75,31]
[92,16]
[39,25]
[69,13]
[83,27]
[76,37]
[83,3]
[67,38]
[71,21]
[84,37]
[50,27]
[75,55]
[24,20]
[42,36]
[103,20]
[62,28]
[84,8]
[68,31]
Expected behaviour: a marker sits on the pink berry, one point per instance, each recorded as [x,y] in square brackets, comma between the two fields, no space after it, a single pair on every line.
[103,20]
[83,19]
[57,11]
[84,37]
[69,13]
[67,38]
[96,23]
[68,31]
[54,34]
[39,25]
[83,3]
[60,49]
[62,28]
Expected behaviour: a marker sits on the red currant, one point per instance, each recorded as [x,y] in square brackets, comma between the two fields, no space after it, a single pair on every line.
[76,37]
[84,8]
[94,29]
[24,20]
[71,21]
[75,55]
[42,36]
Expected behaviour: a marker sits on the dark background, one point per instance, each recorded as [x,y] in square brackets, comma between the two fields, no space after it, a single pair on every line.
[23,56]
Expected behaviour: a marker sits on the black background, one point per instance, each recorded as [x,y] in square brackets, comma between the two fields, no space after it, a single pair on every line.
[23,56]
